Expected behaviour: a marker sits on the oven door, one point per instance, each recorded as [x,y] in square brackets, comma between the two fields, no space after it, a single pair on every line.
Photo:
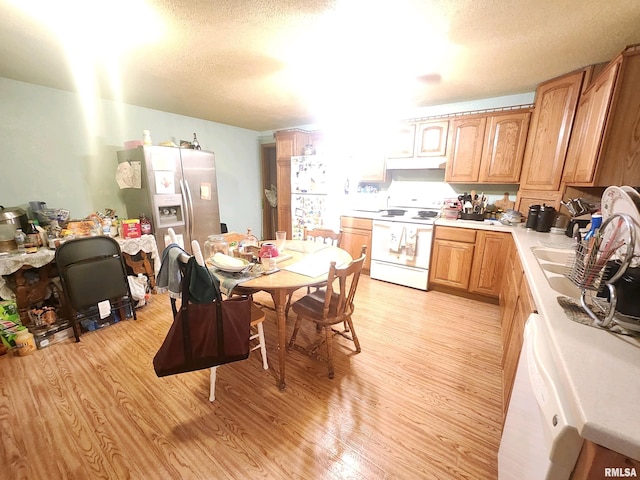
[391,243]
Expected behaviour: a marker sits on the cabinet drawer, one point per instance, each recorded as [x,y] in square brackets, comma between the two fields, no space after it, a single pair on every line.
[354,222]
[456,234]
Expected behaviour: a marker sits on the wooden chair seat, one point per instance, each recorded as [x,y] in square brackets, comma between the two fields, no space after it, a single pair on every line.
[311,306]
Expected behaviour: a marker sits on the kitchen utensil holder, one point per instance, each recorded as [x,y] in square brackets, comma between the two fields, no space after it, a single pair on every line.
[588,267]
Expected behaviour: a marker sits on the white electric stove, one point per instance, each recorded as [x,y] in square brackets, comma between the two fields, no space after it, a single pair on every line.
[401,241]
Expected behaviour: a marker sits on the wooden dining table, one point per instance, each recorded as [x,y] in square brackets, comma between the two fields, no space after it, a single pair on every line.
[303,263]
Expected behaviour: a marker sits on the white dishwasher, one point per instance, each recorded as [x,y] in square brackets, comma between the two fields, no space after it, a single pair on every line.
[539,440]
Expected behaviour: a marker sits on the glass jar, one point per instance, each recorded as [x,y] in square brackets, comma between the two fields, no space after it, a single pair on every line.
[249,240]
[215,244]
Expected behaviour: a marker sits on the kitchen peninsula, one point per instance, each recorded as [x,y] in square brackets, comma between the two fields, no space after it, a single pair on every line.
[598,370]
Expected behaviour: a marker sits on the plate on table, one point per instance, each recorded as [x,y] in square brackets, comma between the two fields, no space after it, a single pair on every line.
[627,201]
[229,269]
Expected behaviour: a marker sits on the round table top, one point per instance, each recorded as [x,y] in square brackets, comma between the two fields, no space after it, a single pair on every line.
[303,263]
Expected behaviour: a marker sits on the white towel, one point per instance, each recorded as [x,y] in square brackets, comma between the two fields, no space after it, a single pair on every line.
[411,235]
[395,239]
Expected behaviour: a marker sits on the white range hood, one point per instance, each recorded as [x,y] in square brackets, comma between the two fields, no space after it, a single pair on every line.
[417,163]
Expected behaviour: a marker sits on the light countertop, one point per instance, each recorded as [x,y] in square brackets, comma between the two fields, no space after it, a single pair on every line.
[600,369]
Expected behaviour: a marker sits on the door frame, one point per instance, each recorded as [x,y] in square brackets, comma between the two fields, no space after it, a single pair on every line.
[269,177]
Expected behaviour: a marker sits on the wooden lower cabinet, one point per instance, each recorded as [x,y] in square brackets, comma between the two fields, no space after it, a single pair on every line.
[596,462]
[488,262]
[468,259]
[451,264]
[355,233]
[516,304]
[451,257]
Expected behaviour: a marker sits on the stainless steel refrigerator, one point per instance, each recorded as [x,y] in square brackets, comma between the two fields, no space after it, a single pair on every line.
[177,189]
[315,194]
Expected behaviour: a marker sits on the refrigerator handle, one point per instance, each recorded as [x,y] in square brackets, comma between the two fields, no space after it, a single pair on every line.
[186,195]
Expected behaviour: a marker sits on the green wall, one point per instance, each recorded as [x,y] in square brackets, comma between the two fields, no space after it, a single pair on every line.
[52,150]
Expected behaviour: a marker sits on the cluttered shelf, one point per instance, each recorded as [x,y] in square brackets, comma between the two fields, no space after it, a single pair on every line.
[31,293]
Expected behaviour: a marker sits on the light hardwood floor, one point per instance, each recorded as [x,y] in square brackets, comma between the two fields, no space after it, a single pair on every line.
[422,401]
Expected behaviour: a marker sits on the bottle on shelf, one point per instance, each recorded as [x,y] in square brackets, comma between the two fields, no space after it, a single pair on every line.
[145,225]
[39,230]
[195,143]
[106,226]
[21,240]
[33,236]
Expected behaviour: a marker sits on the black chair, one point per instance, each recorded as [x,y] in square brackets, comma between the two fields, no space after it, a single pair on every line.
[92,270]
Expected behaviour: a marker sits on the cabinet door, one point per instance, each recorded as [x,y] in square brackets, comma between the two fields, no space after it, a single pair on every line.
[288,143]
[594,459]
[512,355]
[451,263]
[488,262]
[401,141]
[503,150]
[526,198]
[432,139]
[508,299]
[586,138]
[353,238]
[371,167]
[548,138]
[465,149]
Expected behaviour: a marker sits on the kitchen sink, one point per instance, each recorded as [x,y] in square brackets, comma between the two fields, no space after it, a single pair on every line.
[552,255]
[553,262]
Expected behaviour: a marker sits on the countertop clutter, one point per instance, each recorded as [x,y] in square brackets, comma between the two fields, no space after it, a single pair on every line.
[600,369]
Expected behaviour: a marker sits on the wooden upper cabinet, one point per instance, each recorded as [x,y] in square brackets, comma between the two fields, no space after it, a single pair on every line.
[548,138]
[505,139]
[401,141]
[605,145]
[432,138]
[588,128]
[487,148]
[465,149]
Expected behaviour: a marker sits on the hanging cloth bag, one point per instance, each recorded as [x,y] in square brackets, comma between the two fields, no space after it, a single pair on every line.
[206,331]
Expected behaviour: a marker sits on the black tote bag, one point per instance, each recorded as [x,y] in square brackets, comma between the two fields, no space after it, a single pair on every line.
[205,334]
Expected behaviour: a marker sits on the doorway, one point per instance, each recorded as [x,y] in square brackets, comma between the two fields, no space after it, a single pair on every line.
[269,194]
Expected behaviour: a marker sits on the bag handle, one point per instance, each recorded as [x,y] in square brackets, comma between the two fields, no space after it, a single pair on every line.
[208,294]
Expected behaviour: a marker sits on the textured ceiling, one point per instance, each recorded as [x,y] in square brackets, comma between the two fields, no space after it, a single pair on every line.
[232,61]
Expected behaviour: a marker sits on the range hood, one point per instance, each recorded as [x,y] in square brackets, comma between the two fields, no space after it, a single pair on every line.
[417,163]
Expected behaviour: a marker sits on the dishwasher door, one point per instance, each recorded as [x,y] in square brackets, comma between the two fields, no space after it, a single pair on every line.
[539,440]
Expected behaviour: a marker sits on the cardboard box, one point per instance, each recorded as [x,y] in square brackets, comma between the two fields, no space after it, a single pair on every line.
[130,228]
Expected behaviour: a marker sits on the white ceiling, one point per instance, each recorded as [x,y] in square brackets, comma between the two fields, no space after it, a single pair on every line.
[254,64]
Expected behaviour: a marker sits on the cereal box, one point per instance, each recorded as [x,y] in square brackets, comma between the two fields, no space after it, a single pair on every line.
[130,228]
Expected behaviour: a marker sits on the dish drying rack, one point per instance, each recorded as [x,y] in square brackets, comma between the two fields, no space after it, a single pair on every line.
[590,267]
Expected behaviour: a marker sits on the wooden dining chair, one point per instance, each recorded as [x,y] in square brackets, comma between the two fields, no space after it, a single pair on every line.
[334,307]
[257,319]
[323,235]
[319,235]
[257,330]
